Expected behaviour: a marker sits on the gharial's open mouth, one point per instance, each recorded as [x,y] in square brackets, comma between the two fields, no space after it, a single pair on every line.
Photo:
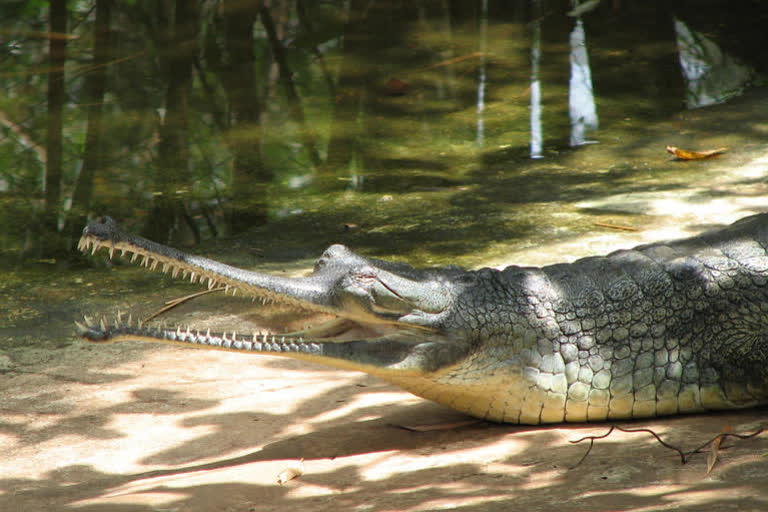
[373,316]
[327,324]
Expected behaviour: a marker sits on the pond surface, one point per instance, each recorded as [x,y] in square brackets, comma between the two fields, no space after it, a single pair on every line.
[484,134]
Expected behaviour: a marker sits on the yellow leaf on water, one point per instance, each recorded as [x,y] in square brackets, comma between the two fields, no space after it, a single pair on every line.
[684,154]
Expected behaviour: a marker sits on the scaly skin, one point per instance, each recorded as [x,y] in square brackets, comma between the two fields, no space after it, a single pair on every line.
[661,329]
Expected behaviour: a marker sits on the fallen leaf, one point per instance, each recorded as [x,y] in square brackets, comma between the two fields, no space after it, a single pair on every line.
[715,449]
[455,60]
[396,87]
[683,154]
[290,473]
[615,226]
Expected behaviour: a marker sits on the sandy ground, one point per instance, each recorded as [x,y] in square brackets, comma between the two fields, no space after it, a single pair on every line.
[130,427]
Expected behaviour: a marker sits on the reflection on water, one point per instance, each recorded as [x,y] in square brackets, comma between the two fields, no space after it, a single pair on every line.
[211,121]
[537,136]
[581,100]
[711,75]
[482,76]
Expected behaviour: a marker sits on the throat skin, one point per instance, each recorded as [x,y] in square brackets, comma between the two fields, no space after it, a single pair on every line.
[667,328]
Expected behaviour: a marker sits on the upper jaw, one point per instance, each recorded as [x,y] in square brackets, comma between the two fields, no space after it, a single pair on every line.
[303,293]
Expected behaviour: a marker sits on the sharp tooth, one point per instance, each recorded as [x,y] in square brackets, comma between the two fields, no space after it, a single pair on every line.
[130,319]
[192,277]
[234,291]
[88,320]
[226,288]
[175,272]
[154,264]
[81,329]
[111,251]
[122,252]
[134,257]
[95,247]
[103,324]
[144,260]
[119,316]
[165,268]
[234,335]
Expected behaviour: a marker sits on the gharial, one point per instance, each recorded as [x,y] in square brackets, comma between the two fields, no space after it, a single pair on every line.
[664,328]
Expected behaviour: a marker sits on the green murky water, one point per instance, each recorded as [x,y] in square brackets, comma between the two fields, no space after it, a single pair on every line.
[474,135]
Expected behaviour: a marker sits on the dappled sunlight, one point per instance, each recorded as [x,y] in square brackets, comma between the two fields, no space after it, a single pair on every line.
[464,453]
[376,397]
[194,459]
[124,497]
